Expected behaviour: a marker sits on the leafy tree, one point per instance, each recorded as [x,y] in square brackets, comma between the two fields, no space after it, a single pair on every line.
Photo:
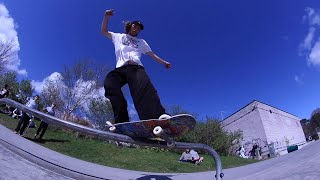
[99,111]
[7,53]
[306,127]
[315,118]
[10,78]
[212,134]
[25,90]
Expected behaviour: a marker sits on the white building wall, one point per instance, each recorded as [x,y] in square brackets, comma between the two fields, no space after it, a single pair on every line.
[264,124]
[281,128]
[247,120]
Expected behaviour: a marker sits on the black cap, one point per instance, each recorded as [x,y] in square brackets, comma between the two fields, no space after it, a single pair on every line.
[139,23]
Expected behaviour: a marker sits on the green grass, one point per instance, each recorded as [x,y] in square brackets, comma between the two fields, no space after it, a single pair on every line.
[108,154]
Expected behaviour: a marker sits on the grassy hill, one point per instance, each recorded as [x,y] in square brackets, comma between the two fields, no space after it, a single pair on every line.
[108,154]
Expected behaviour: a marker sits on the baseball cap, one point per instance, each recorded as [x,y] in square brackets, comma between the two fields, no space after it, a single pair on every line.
[139,23]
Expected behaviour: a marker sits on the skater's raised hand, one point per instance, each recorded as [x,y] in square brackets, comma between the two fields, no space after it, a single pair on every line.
[167,65]
[109,12]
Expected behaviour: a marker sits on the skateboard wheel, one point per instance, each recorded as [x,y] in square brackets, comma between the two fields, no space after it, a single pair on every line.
[158,130]
[112,128]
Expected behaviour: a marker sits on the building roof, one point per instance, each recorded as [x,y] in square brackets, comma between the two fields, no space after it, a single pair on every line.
[261,103]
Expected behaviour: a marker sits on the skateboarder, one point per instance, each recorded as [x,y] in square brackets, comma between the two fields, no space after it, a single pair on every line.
[129,70]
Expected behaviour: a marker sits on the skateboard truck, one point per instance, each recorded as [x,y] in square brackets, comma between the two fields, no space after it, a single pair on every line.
[158,131]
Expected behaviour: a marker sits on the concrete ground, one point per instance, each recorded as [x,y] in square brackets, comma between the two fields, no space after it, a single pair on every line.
[23,159]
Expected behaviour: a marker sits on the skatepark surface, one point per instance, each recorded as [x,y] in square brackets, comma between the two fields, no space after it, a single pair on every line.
[24,159]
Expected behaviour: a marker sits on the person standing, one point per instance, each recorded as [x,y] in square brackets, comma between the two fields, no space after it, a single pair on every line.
[129,70]
[25,117]
[43,125]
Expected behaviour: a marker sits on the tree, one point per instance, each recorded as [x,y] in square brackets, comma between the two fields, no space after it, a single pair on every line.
[25,90]
[10,78]
[315,118]
[51,93]
[212,134]
[99,111]
[81,83]
[7,53]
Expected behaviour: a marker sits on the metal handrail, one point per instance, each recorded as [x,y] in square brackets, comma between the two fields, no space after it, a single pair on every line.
[114,136]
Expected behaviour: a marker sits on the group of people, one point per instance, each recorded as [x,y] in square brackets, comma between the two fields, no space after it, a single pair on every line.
[253,153]
[192,156]
[26,119]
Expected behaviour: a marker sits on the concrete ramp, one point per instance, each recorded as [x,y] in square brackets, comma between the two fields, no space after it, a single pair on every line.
[24,159]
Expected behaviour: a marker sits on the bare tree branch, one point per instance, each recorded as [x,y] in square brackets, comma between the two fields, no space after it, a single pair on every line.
[7,53]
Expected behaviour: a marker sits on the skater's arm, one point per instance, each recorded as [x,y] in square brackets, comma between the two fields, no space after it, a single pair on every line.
[104,26]
[158,59]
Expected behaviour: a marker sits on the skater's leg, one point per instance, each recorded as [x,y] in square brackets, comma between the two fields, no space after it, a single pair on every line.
[144,95]
[112,85]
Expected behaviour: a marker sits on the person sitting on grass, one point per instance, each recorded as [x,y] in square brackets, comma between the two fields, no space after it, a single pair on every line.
[186,156]
[195,158]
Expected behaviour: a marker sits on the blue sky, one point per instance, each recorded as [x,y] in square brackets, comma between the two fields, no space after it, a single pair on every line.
[224,54]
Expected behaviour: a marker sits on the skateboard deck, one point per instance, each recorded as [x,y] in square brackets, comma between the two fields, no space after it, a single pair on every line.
[172,127]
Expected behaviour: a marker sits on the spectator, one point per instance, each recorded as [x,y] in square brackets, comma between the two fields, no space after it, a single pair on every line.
[4,91]
[253,151]
[242,153]
[43,125]
[195,158]
[16,113]
[25,118]
[186,156]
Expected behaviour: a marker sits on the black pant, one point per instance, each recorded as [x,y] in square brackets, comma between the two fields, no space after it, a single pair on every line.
[43,126]
[144,95]
[24,121]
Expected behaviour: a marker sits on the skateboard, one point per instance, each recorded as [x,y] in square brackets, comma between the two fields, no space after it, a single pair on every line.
[167,129]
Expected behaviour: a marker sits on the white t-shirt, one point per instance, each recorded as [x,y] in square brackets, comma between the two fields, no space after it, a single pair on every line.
[128,48]
[194,154]
[51,111]
[3,91]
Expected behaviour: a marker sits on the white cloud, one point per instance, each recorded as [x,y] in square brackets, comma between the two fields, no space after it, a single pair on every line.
[314,56]
[311,44]
[307,43]
[313,16]
[8,33]
[299,79]
[38,85]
